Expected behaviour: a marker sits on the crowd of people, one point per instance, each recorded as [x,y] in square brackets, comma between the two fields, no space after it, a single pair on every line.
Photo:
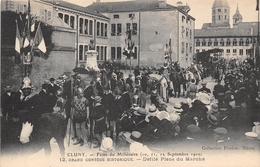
[128,111]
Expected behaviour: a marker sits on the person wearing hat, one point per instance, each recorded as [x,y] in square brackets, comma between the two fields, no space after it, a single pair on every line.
[204,89]
[52,87]
[218,89]
[136,72]
[192,90]
[26,106]
[7,103]
[220,135]
[113,81]
[135,145]
[193,132]
[80,114]
[98,114]
[152,112]
[129,81]
[177,108]
[141,96]
[48,102]
[107,145]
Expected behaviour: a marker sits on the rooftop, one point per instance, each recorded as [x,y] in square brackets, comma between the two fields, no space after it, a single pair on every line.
[243,29]
[220,3]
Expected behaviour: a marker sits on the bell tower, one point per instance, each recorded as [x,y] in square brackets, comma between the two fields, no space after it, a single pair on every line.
[220,13]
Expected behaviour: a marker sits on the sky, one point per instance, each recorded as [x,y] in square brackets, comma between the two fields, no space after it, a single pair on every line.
[201,9]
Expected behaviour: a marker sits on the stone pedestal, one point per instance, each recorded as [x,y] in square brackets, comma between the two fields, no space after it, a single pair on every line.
[91,63]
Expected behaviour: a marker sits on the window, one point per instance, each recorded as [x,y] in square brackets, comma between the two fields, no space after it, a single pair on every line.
[219,17]
[113,29]
[72,21]
[209,42]
[98,50]
[85,50]
[213,18]
[190,49]
[60,15]
[225,10]
[203,42]
[119,51]
[197,50]
[241,42]
[235,42]
[247,42]
[119,30]
[182,47]
[81,26]
[248,51]
[228,51]
[102,53]
[81,52]
[187,32]
[183,18]
[197,42]
[98,28]
[135,53]
[216,42]
[228,42]
[86,26]
[90,27]
[219,10]
[45,15]
[66,19]
[113,53]
[221,42]
[131,15]
[102,30]
[134,28]
[203,50]
[241,52]
[190,34]
[105,53]
[234,51]
[116,16]
[105,29]
[214,12]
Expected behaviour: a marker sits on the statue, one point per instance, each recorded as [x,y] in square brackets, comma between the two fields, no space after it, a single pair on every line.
[91,45]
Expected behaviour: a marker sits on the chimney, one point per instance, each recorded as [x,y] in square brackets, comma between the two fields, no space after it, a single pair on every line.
[179,3]
[162,3]
[97,1]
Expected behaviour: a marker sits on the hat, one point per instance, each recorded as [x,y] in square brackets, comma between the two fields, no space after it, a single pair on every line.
[204,98]
[214,107]
[154,92]
[107,144]
[97,99]
[192,80]
[138,77]
[64,76]
[177,107]
[212,119]
[26,83]
[52,79]
[174,117]
[193,129]
[163,115]
[8,88]
[134,137]
[130,74]
[140,111]
[251,135]
[152,109]
[220,131]
[45,86]
[203,83]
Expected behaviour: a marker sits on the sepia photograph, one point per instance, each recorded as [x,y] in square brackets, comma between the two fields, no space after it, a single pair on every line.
[130,83]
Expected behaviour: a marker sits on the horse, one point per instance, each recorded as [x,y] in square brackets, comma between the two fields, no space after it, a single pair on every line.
[36,135]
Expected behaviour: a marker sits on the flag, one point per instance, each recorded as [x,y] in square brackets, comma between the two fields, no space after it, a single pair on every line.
[39,40]
[17,39]
[32,27]
[170,43]
[257,5]
[26,42]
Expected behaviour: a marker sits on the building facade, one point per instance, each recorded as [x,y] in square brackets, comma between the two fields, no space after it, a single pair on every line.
[153,23]
[237,42]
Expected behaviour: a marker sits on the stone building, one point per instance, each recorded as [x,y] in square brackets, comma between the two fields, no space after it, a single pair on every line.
[237,41]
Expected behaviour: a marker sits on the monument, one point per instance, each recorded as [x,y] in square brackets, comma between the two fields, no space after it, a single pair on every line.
[91,55]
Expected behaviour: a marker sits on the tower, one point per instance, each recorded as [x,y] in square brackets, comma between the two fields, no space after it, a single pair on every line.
[220,13]
[237,17]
